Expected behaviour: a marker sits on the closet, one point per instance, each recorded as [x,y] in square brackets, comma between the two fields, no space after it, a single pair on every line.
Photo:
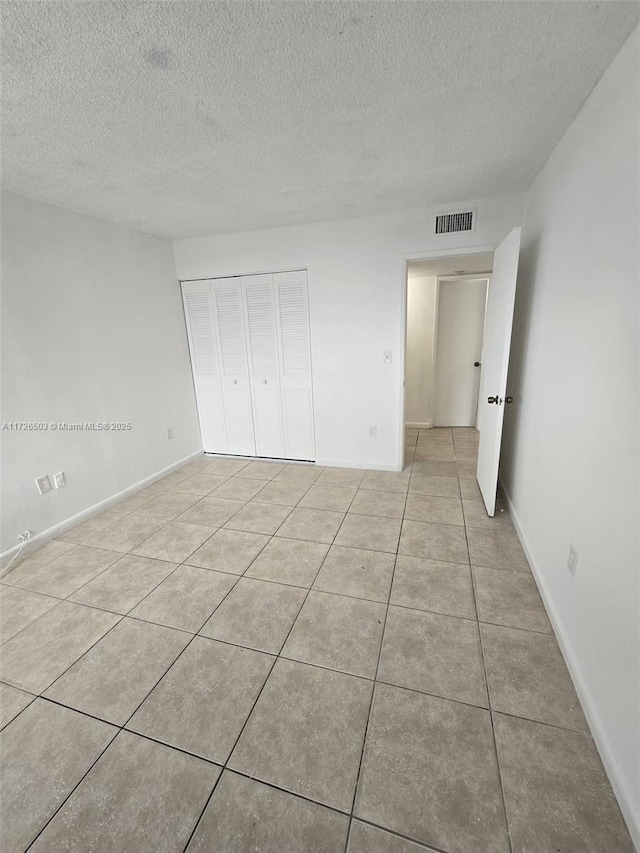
[251,360]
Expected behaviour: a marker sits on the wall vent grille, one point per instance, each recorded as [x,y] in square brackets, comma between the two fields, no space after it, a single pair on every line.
[447,223]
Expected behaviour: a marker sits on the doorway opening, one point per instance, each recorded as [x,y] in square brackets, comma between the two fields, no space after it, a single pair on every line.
[430,396]
[446,304]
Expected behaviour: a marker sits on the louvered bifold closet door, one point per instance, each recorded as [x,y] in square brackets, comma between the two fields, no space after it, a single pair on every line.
[198,311]
[234,373]
[264,373]
[292,318]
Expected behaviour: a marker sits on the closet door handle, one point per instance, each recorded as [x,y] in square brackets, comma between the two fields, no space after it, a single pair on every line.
[264,381]
[234,381]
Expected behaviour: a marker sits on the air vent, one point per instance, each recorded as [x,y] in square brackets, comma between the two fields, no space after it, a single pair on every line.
[447,223]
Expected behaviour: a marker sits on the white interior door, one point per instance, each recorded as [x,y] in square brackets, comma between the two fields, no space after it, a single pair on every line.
[234,372]
[292,318]
[495,364]
[200,321]
[460,326]
[264,373]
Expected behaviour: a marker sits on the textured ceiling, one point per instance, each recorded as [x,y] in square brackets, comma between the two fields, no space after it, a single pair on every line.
[188,118]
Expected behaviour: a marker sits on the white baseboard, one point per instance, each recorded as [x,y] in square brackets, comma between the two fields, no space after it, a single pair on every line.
[369,466]
[409,425]
[51,532]
[612,769]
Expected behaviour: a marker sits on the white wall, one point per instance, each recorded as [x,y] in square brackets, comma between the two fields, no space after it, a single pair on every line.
[92,330]
[421,298]
[570,461]
[357,292]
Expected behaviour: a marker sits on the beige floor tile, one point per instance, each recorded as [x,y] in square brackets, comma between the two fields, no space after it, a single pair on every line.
[201,463]
[113,678]
[44,753]
[435,509]
[433,585]
[365,838]
[222,466]
[434,541]
[425,484]
[509,598]
[12,702]
[305,733]
[434,467]
[527,677]
[19,608]
[260,470]
[369,502]
[41,555]
[386,481]
[287,494]
[238,489]
[42,651]
[426,450]
[245,815]
[346,478]
[86,529]
[289,561]
[256,517]
[294,473]
[335,498]
[338,632]
[186,599]
[154,490]
[173,479]
[159,792]
[211,511]
[371,533]
[175,542]
[556,792]
[64,575]
[124,584]
[168,506]
[469,489]
[466,467]
[132,503]
[312,525]
[125,534]
[202,702]
[256,614]
[475,515]
[230,551]
[435,654]
[441,787]
[200,484]
[496,550]
[355,572]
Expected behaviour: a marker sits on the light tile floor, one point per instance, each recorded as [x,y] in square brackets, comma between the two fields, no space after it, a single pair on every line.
[252,656]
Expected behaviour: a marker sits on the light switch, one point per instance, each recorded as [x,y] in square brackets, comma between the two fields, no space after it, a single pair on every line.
[387,356]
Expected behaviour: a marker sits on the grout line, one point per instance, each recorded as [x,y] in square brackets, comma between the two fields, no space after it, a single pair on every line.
[493,731]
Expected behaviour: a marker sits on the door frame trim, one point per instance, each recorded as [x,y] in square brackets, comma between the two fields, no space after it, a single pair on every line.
[405,258]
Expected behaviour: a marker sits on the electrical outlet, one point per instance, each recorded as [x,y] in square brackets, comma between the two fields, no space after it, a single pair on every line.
[44,484]
[170,433]
[373,432]
[572,561]
[59,480]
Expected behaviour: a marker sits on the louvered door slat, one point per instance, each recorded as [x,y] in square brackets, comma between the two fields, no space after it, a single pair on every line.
[198,311]
[229,314]
[261,331]
[201,332]
[294,331]
[295,363]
